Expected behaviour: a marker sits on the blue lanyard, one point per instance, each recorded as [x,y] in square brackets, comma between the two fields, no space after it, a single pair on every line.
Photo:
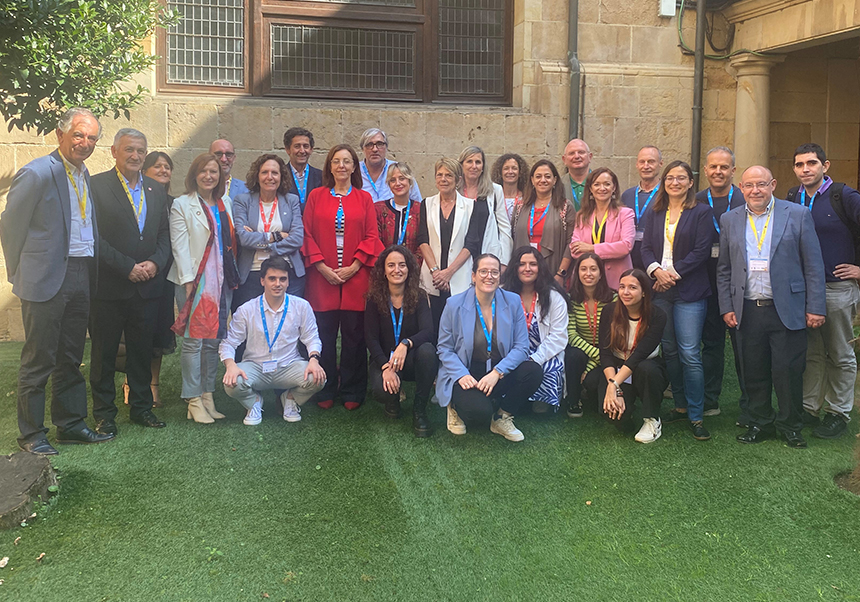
[303,190]
[487,334]
[811,199]
[397,324]
[405,222]
[532,221]
[573,191]
[339,217]
[216,215]
[648,202]
[728,205]
[271,343]
[369,179]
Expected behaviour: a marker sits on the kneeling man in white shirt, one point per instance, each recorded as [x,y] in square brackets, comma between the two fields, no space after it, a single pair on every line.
[271,325]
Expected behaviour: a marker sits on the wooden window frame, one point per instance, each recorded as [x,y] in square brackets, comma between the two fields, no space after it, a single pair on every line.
[422,19]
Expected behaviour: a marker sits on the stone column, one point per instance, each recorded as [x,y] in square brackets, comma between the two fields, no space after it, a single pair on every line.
[752,115]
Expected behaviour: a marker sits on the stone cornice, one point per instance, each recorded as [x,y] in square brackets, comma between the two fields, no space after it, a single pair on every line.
[750,9]
[637,69]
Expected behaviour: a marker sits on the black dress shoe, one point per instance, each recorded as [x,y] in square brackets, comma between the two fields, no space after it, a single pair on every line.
[832,426]
[421,424]
[40,447]
[84,435]
[794,439]
[106,427]
[147,418]
[392,408]
[754,435]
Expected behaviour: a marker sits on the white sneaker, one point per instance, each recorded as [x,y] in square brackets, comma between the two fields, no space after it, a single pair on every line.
[255,414]
[455,425]
[711,412]
[504,426]
[651,430]
[291,408]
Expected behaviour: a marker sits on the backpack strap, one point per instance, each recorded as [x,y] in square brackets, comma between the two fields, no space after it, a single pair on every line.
[791,197]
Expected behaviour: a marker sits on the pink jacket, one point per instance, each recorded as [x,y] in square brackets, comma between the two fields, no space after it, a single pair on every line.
[620,234]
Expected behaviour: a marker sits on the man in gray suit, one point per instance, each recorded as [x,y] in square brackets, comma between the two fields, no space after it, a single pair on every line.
[770,281]
[50,240]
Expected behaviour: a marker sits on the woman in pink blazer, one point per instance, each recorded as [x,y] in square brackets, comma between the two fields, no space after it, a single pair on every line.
[604,225]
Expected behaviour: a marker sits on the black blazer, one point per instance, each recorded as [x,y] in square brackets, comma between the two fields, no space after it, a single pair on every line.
[121,244]
[379,331]
[694,236]
[314,181]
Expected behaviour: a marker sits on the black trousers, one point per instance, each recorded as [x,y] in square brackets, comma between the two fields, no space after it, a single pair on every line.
[110,319]
[55,332]
[575,362]
[510,394]
[352,374]
[437,306]
[420,366]
[774,358]
[650,379]
[714,357]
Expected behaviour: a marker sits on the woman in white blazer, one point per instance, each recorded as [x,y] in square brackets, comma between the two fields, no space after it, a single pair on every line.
[203,289]
[545,306]
[448,239]
[489,200]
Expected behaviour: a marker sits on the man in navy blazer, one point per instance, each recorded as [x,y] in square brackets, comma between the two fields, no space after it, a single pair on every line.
[50,241]
[770,280]
[304,177]
[135,248]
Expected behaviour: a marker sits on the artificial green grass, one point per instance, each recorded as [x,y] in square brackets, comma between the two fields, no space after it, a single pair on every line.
[347,506]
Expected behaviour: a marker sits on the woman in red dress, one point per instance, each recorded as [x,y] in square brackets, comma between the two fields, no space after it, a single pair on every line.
[341,245]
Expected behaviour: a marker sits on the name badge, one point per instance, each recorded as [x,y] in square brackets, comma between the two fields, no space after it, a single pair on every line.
[715,250]
[87,232]
[339,241]
[270,366]
[534,245]
[640,234]
[489,366]
[758,265]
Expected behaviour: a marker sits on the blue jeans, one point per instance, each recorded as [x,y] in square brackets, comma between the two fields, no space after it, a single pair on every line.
[682,350]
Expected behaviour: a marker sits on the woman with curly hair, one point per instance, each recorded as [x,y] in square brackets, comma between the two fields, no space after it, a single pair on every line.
[510,171]
[398,328]
[268,223]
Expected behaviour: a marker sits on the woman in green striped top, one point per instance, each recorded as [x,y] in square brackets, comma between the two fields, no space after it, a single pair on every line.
[589,293]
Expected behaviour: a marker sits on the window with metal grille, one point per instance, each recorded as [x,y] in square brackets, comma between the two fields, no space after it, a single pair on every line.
[415,50]
[207,46]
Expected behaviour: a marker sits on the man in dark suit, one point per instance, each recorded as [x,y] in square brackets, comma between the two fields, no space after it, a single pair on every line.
[50,241]
[299,145]
[770,279]
[135,247]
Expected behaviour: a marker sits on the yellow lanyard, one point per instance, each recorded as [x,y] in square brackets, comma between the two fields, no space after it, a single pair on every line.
[671,238]
[596,236]
[759,240]
[82,198]
[227,189]
[139,209]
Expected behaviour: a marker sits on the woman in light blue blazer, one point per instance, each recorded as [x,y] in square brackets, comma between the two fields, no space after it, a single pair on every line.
[485,373]
[268,222]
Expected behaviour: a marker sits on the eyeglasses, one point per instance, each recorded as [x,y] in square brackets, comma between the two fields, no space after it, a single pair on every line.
[378,145]
[752,185]
[491,273]
[679,179]
[220,154]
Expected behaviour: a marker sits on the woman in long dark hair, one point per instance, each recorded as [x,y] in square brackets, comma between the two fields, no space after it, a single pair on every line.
[678,235]
[544,305]
[398,328]
[589,294]
[630,333]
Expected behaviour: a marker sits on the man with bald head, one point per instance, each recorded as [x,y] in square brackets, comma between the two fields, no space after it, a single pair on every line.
[577,159]
[226,154]
[770,281]
[649,162]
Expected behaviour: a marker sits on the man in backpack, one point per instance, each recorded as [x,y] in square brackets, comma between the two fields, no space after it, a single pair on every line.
[831,366]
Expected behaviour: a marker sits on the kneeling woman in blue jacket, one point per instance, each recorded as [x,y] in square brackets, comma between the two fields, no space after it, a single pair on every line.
[485,373]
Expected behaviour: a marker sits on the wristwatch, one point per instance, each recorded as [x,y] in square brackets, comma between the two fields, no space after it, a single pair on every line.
[314,354]
[434,269]
[617,386]
[561,273]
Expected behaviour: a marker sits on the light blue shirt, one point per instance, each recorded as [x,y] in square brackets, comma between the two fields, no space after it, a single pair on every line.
[136,193]
[379,189]
[81,239]
[758,283]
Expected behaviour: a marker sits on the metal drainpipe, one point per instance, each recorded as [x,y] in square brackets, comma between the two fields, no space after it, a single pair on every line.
[698,91]
[573,61]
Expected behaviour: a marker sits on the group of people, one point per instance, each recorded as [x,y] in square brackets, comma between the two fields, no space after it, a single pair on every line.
[512,289]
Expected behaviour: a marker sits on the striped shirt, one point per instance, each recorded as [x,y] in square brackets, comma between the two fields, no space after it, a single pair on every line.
[582,336]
